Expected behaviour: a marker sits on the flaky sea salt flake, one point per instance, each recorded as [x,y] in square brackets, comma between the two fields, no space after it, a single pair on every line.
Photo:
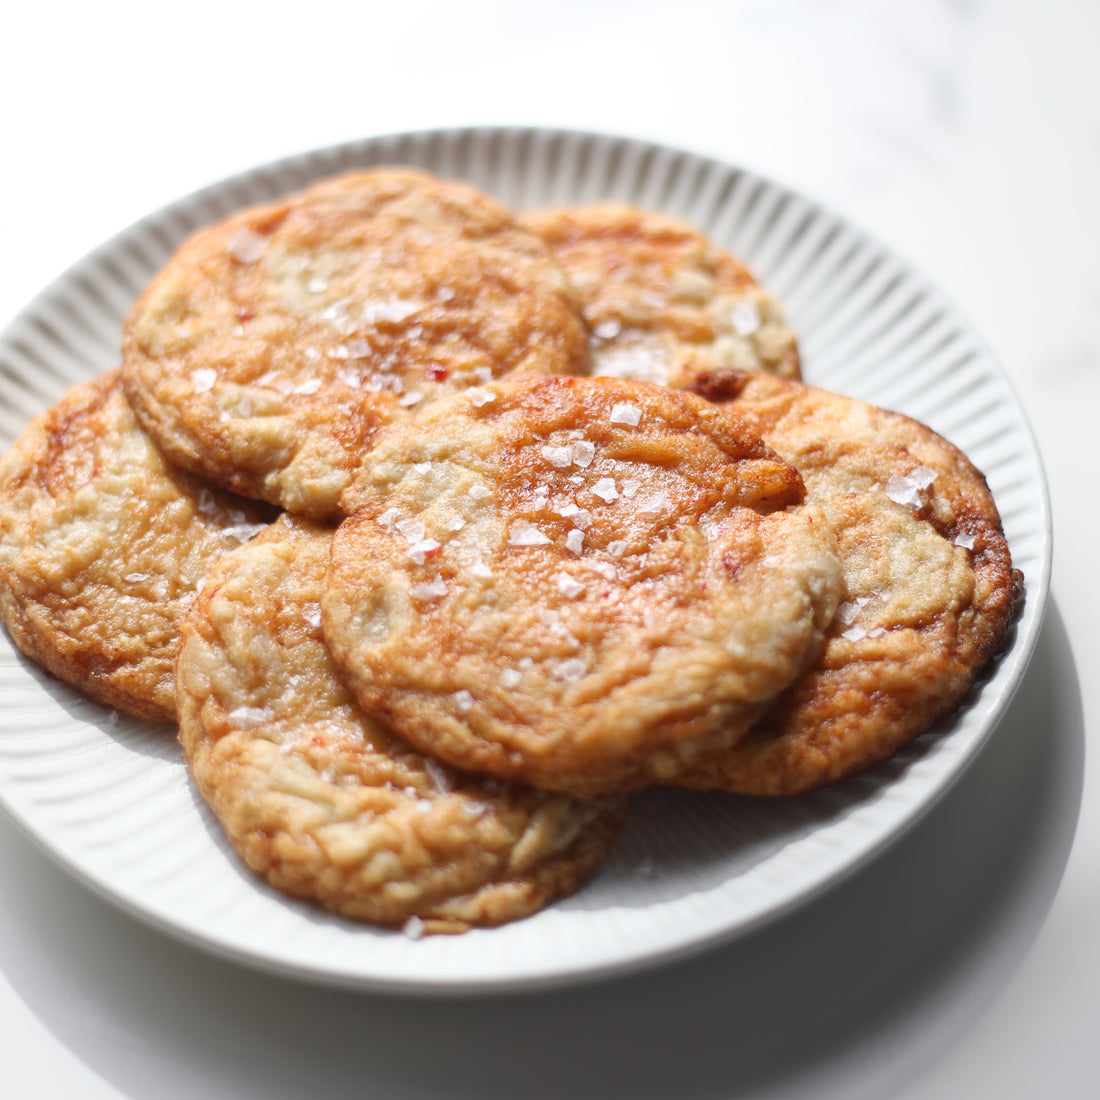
[246,246]
[557,456]
[392,310]
[569,586]
[745,318]
[604,568]
[848,611]
[412,529]
[429,591]
[423,549]
[654,505]
[605,489]
[479,396]
[551,619]
[387,519]
[203,379]
[630,415]
[463,700]
[248,718]
[902,491]
[583,453]
[570,670]
[244,532]
[526,534]
[906,490]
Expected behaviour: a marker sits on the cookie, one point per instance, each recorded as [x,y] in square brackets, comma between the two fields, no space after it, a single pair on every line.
[583,583]
[274,344]
[331,807]
[661,301]
[102,546]
[930,587]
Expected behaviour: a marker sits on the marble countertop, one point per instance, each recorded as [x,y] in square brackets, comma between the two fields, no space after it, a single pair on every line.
[965,134]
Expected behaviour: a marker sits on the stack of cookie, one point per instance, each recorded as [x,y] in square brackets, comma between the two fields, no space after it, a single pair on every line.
[438,530]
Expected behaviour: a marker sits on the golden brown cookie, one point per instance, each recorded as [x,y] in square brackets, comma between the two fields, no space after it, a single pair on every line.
[329,806]
[274,344]
[584,583]
[102,547]
[930,587]
[661,301]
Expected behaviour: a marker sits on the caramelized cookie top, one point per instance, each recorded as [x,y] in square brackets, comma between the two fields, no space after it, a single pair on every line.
[274,344]
[583,583]
[327,804]
[661,301]
[930,588]
[102,547]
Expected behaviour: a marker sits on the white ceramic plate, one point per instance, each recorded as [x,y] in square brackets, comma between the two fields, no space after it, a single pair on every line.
[110,797]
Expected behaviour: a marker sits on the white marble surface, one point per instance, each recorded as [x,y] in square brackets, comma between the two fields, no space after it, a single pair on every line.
[966,135]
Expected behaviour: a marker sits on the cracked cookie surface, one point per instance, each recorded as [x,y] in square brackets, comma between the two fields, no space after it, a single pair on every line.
[103,545]
[584,583]
[274,344]
[930,588]
[661,301]
[329,806]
